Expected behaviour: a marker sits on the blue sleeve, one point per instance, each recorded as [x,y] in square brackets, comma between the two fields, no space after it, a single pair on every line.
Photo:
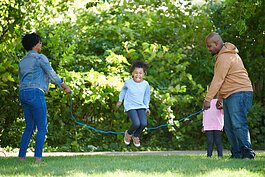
[46,66]
[147,96]
[123,92]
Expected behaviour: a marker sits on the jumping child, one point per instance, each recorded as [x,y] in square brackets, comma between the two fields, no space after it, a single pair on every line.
[136,95]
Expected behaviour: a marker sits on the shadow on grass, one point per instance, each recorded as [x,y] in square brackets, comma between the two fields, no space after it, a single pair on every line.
[133,165]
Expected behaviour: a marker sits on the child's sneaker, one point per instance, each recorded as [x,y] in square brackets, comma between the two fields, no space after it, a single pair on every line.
[136,141]
[127,138]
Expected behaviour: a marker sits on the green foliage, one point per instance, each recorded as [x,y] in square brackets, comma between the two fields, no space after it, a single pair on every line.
[257,124]
[92,46]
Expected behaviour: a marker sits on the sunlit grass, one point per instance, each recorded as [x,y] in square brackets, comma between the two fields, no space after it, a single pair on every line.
[134,166]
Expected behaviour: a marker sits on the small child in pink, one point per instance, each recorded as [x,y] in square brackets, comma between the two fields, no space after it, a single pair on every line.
[213,123]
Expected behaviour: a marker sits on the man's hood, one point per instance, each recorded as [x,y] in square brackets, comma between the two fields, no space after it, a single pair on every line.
[228,48]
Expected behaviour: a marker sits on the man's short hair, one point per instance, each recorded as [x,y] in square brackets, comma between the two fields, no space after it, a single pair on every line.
[213,36]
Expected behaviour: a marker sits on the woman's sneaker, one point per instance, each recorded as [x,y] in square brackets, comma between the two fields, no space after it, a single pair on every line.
[127,138]
[136,141]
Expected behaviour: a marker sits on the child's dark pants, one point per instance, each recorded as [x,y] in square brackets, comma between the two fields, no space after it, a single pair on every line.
[139,122]
[214,137]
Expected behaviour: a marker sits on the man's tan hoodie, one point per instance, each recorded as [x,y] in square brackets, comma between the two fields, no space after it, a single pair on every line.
[230,75]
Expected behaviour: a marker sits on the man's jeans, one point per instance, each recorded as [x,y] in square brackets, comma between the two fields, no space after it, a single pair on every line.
[35,112]
[236,108]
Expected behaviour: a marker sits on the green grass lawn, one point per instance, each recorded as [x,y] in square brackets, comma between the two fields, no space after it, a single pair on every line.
[134,166]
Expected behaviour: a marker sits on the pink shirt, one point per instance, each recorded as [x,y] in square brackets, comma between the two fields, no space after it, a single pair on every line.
[213,118]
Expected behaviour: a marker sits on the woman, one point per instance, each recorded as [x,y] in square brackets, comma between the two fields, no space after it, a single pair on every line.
[35,73]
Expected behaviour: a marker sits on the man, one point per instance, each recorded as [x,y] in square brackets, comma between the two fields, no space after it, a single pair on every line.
[234,89]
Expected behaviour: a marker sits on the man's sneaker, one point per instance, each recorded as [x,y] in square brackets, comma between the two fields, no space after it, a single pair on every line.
[136,141]
[127,138]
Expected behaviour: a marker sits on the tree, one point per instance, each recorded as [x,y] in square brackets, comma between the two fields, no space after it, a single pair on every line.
[92,44]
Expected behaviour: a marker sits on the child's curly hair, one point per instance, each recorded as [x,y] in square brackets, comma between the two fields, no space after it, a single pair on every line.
[138,64]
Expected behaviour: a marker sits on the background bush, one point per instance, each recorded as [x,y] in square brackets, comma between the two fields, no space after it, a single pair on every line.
[93,45]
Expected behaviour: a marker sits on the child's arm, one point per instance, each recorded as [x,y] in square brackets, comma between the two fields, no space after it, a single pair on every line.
[203,118]
[147,96]
[121,95]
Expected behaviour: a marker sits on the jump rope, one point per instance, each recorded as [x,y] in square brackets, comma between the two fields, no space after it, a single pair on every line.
[120,133]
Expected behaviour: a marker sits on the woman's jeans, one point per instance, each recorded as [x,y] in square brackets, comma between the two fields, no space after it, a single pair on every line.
[236,108]
[35,112]
[139,122]
[214,137]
